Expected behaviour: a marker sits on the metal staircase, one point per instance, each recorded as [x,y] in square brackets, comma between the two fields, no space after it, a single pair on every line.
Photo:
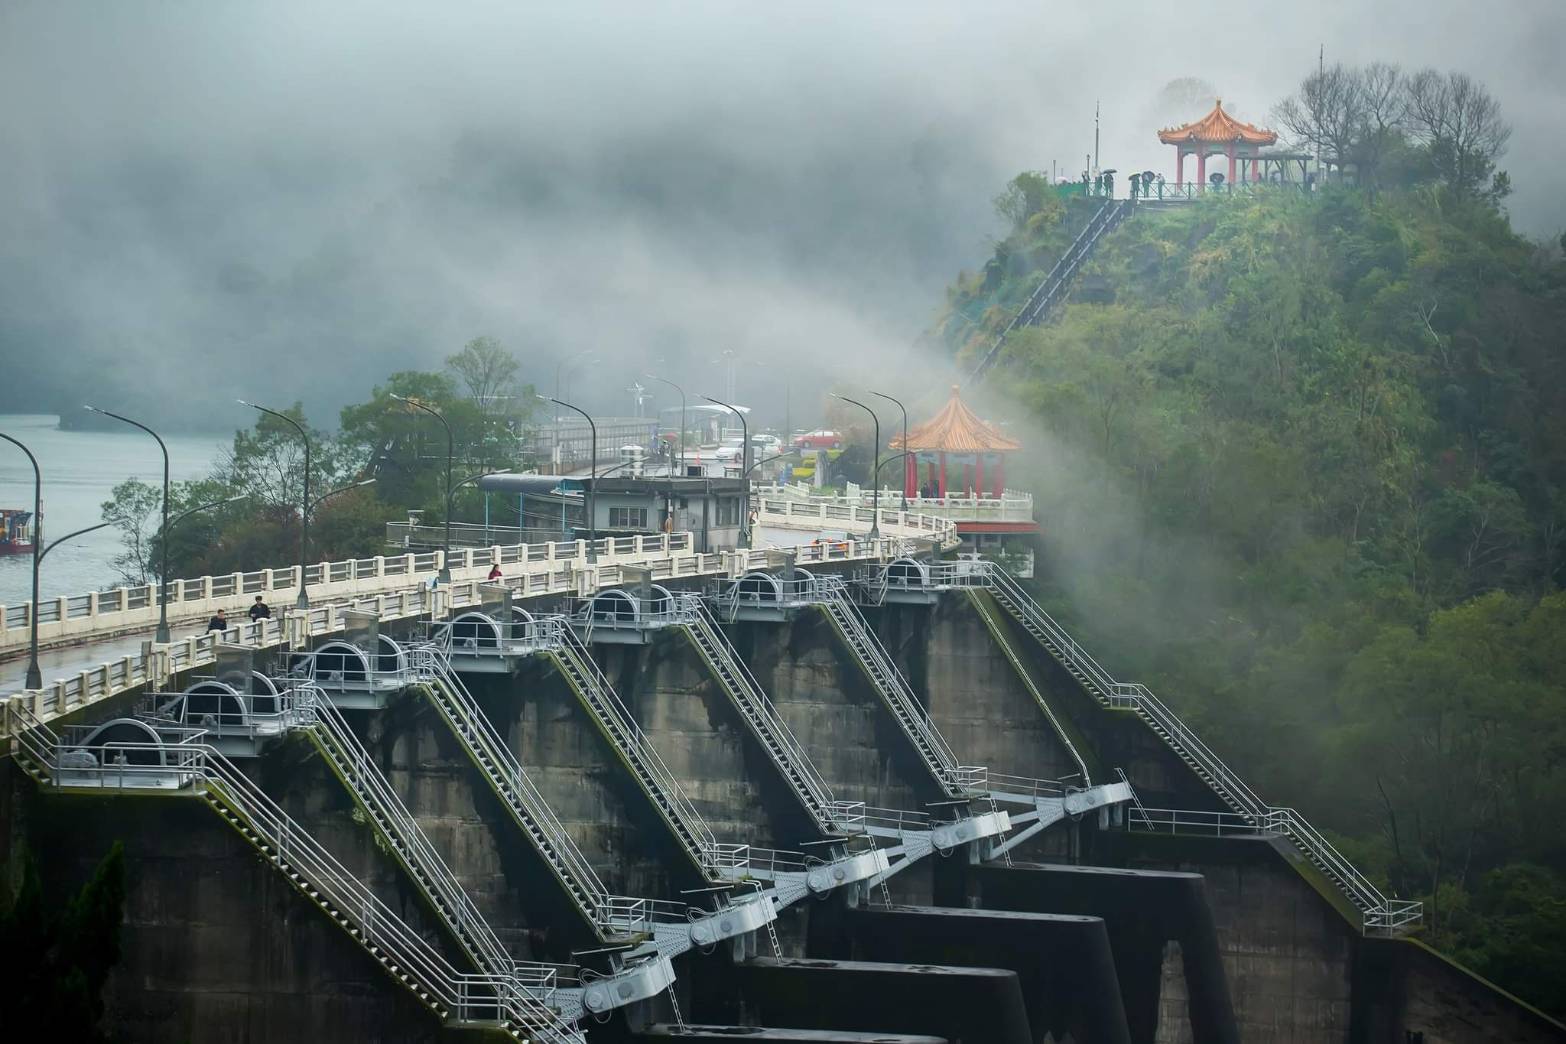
[912,834]
[1047,801]
[768,727]
[957,780]
[612,916]
[406,840]
[1378,913]
[1055,286]
[516,1006]
[719,862]
[665,929]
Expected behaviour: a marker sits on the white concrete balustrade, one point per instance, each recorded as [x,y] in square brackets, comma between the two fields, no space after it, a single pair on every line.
[1011,506]
[125,609]
[393,589]
[785,511]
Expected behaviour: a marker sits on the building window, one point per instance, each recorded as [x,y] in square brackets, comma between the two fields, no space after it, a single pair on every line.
[627,518]
[728,511]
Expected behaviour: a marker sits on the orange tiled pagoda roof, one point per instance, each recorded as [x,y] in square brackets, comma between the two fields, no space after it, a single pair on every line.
[1218,126]
[956,429]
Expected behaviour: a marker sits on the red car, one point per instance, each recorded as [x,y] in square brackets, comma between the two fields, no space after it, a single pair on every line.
[819,440]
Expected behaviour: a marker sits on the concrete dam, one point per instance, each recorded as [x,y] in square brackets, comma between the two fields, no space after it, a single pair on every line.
[853,792]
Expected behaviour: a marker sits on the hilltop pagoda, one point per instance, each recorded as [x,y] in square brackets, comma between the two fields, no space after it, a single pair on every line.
[1218,134]
[955,449]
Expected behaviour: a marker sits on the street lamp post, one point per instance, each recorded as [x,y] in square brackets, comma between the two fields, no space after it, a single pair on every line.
[769,460]
[744,469]
[303,601]
[592,478]
[559,393]
[162,634]
[34,676]
[875,484]
[890,460]
[905,453]
[445,558]
[669,504]
[676,387]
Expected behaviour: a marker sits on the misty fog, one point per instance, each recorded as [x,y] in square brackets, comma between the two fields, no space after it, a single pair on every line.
[201,201]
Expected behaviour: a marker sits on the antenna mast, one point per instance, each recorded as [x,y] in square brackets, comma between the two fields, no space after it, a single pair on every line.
[1321,75]
[1095,137]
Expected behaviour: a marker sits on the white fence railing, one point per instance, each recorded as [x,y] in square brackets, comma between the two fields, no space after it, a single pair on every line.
[829,513]
[73,618]
[1009,506]
[533,573]
[131,608]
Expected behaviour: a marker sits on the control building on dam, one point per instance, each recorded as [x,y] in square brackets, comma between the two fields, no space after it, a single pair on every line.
[844,789]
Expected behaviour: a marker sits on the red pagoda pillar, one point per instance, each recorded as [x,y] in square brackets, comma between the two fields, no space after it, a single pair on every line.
[978,482]
[1229,151]
[1179,167]
[940,486]
[1201,166]
[910,476]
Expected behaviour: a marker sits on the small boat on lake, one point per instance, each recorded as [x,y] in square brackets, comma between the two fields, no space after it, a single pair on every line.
[16,532]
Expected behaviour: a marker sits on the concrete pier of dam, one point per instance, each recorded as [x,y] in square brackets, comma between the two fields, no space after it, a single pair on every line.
[1085,931]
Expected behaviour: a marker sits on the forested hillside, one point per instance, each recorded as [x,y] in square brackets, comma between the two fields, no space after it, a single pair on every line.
[1301,467]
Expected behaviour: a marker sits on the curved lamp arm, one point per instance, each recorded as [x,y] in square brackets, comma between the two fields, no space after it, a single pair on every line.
[68,536]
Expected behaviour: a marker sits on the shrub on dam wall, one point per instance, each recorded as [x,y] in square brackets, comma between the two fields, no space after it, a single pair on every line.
[56,958]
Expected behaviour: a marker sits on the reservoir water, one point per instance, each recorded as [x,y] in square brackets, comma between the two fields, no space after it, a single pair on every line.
[79,470]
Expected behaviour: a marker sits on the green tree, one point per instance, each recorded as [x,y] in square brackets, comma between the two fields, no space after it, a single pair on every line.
[56,960]
[1028,194]
[1297,458]
[266,461]
[489,372]
[351,525]
[133,507]
[405,448]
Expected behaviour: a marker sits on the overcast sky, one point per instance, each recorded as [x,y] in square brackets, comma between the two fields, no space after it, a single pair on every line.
[204,200]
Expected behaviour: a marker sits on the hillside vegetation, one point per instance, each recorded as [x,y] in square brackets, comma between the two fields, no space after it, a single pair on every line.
[1300,462]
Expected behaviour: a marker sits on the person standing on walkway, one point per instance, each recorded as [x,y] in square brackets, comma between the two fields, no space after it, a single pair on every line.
[260,610]
[494,571]
[217,623]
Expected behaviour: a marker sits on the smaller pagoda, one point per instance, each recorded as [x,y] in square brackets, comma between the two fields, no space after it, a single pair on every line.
[1218,134]
[956,451]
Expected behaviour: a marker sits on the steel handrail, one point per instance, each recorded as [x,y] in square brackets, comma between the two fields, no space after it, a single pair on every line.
[1157,711]
[476,733]
[634,743]
[866,645]
[1105,217]
[379,926]
[1083,661]
[760,710]
[1376,909]
[452,902]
